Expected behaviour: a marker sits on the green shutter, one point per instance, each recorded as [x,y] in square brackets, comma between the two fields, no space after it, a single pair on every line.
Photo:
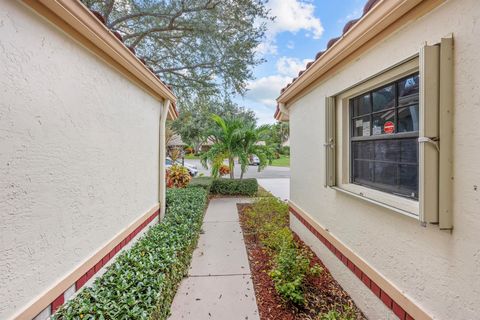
[330,142]
[446,135]
[429,133]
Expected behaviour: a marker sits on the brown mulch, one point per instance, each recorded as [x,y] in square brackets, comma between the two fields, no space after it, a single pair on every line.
[322,294]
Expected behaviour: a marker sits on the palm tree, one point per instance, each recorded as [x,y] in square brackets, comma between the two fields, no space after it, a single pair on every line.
[251,137]
[232,138]
[227,136]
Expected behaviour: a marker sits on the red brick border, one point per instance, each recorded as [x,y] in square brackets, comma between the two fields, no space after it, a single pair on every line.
[80,282]
[392,305]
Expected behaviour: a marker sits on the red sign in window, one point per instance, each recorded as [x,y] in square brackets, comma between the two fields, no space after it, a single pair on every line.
[389,127]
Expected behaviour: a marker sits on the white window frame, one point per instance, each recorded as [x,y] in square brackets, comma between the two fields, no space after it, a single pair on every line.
[409,207]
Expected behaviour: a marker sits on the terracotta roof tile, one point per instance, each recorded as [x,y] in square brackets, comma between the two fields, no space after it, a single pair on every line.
[331,42]
[319,54]
[349,25]
[99,16]
[369,5]
[118,35]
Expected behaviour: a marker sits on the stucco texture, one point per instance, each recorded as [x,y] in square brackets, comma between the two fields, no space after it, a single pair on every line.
[79,149]
[438,270]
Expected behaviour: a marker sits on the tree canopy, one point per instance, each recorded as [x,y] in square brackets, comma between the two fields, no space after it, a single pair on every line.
[194,45]
[195,120]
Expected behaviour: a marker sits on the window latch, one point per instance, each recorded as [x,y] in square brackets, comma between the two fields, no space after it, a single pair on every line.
[433,141]
[329,144]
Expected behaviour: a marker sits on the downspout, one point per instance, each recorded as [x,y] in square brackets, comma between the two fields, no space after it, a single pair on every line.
[162,186]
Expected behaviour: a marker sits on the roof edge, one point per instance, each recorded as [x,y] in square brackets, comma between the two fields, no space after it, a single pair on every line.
[378,16]
[87,27]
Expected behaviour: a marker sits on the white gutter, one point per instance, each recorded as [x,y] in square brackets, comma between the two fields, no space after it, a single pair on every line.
[162,186]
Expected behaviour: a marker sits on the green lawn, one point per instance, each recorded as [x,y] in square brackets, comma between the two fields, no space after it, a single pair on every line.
[283,161]
[191,157]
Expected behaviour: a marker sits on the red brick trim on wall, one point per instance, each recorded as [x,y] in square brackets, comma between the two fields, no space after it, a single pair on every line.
[392,305]
[61,299]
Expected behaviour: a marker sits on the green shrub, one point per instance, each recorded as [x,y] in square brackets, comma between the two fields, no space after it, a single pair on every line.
[291,268]
[245,187]
[202,182]
[268,220]
[340,312]
[142,281]
[266,215]
[277,239]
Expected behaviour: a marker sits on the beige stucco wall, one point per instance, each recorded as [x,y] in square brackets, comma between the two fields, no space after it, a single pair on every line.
[439,271]
[78,154]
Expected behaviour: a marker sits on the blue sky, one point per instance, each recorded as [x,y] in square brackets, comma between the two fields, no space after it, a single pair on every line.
[301,29]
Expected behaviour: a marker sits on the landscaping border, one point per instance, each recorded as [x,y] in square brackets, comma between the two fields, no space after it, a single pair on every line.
[143,280]
[390,302]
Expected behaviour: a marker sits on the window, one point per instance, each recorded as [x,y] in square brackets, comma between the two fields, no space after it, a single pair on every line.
[383,141]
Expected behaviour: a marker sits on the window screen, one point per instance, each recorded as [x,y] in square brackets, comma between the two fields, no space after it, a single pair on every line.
[384,133]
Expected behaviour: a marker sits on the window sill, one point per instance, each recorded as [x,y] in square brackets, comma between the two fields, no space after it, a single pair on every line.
[398,204]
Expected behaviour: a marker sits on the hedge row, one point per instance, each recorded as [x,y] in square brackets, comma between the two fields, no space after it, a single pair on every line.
[202,182]
[142,282]
[245,187]
[223,186]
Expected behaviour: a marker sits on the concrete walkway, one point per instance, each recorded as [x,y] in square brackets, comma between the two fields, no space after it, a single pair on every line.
[219,284]
[280,188]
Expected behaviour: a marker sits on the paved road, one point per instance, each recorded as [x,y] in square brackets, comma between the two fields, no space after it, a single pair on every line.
[252,172]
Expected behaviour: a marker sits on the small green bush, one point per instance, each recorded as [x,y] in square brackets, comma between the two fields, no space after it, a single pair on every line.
[202,182]
[142,281]
[267,215]
[291,268]
[234,187]
[277,239]
[268,220]
[340,312]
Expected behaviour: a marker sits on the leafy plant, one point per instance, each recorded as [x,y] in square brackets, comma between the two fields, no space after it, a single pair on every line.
[267,215]
[142,281]
[178,177]
[291,268]
[345,312]
[268,220]
[246,187]
[224,170]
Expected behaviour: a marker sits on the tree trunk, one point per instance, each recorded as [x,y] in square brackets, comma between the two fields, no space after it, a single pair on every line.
[231,165]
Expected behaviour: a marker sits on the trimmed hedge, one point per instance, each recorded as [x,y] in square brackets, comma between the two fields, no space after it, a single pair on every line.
[202,182]
[244,187]
[142,282]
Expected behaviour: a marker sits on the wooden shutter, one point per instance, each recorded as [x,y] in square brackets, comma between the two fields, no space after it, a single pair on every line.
[446,135]
[429,133]
[330,141]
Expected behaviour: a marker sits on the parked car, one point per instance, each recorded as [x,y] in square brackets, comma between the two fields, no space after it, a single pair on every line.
[254,160]
[192,169]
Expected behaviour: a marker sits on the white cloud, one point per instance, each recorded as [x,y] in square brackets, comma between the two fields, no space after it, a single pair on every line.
[262,92]
[265,90]
[288,66]
[291,16]
[290,45]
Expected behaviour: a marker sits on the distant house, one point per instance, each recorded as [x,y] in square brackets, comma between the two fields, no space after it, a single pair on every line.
[82,152]
[385,175]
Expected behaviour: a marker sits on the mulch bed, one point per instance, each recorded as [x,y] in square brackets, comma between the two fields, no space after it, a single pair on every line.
[322,294]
